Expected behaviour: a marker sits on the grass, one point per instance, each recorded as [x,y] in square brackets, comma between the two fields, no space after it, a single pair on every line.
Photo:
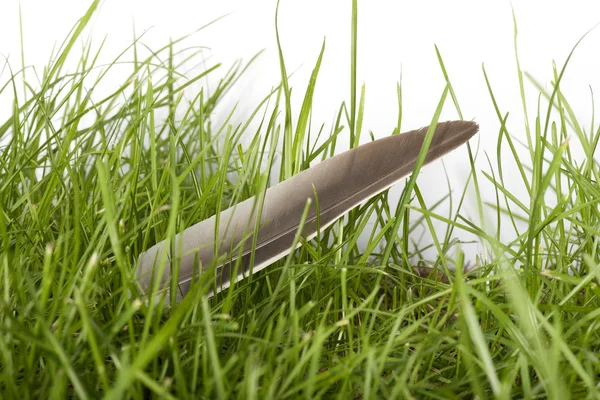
[87,184]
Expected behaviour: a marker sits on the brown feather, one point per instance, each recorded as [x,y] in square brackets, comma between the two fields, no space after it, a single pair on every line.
[341,182]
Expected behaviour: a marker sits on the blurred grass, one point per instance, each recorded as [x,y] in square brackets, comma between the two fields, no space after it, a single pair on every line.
[87,184]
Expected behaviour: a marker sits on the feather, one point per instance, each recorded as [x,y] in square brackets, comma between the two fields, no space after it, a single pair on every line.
[341,183]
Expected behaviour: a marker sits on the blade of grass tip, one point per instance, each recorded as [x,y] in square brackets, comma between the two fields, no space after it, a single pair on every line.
[353,63]
[310,150]
[504,133]
[264,103]
[563,105]
[447,79]
[305,112]
[22,54]
[560,105]
[135,48]
[361,113]
[322,149]
[288,158]
[594,138]
[337,127]
[559,79]
[521,84]
[169,98]
[82,23]
[473,172]
[405,197]
[398,128]
[240,73]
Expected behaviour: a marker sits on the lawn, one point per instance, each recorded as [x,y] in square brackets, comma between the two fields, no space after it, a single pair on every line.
[87,184]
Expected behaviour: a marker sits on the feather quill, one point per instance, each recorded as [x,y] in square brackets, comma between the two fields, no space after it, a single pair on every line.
[341,183]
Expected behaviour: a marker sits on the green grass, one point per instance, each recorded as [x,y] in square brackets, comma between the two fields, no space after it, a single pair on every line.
[87,184]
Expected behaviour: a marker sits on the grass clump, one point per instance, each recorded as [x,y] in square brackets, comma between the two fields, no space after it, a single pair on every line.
[88,184]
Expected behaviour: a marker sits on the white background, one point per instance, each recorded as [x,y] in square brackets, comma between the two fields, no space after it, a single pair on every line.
[394,37]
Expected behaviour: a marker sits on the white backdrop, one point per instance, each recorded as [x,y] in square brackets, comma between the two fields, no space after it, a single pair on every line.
[394,36]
